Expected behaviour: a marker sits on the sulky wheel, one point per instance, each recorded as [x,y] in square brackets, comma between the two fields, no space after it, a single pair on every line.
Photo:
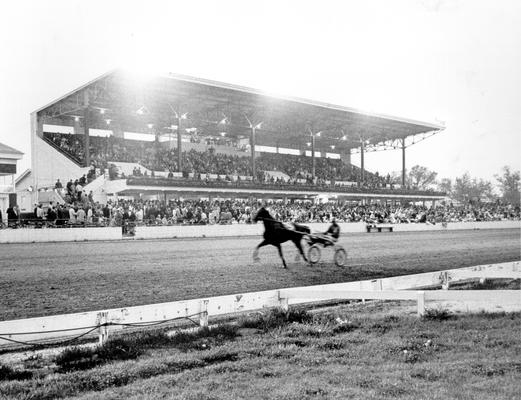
[340,256]
[314,254]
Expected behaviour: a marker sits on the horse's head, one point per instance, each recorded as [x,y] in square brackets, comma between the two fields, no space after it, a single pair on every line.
[261,215]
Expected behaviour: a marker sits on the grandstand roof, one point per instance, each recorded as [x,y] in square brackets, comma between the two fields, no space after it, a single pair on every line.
[5,149]
[133,103]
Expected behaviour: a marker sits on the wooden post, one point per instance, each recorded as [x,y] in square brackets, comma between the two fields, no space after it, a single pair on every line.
[445,280]
[420,298]
[283,302]
[102,319]
[203,316]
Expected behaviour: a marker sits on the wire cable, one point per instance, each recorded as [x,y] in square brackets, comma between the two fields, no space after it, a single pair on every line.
[90,330]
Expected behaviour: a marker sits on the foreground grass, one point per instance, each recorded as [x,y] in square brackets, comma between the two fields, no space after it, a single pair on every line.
[374,351]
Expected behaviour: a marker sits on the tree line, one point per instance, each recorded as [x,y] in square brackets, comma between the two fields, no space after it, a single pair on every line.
[466,188]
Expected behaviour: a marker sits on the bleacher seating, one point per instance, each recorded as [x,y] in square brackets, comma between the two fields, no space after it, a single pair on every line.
[158,157]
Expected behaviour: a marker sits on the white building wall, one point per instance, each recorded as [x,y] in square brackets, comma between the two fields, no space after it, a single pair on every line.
[50,165]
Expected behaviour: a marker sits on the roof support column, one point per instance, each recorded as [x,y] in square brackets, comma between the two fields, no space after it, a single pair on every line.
[179,146]
[362,164]
[86,124]
[253,128]
[252,146]
[313,157]
[403,162]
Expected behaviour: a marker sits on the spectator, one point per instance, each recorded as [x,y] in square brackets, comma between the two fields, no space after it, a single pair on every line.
[62,215]
[72,215]
[79,189]
[80,216]
[51,216]
[13,216]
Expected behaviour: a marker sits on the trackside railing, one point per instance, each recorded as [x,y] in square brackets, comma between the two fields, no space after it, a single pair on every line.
[69,327]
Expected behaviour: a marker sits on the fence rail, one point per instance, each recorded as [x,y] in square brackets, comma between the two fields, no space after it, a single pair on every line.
[101,323]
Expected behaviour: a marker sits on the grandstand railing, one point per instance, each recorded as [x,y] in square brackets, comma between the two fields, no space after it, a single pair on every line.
[171,182]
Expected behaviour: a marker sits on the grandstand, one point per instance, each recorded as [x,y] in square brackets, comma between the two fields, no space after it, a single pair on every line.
[172,136]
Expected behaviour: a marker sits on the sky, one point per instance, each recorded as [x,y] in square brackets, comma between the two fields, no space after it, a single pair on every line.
[456,62]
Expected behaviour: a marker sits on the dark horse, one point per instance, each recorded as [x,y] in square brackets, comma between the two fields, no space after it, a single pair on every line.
[275,233]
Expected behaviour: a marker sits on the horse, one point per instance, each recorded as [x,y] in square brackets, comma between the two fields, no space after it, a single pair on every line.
[275,233]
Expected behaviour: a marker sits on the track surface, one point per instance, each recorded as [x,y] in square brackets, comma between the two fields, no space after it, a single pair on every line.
[56,278]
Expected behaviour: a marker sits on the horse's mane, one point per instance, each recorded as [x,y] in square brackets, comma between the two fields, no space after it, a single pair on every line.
[267,212]
[268,219]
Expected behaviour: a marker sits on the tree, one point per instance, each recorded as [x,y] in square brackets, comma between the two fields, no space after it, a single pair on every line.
[421,177]
[445,185]
[472,189]
[509,185]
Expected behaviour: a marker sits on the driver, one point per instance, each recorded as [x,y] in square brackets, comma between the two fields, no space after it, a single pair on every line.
[334,231]
[329,237]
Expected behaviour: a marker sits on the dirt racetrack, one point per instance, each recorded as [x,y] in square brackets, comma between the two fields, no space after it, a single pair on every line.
[55,278]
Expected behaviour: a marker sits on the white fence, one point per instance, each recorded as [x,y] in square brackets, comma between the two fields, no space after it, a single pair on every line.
[394,288]
[58,235]
[188,231]
[193,231]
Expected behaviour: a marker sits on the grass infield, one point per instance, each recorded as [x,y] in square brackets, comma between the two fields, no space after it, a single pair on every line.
[378,350]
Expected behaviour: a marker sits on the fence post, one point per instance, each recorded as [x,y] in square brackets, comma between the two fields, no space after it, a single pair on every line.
[203,316]
[420,298]
[103,329]
[377,284]
[445,280]
[283,302]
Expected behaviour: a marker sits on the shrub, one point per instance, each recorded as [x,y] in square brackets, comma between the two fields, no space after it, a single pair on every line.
[7,373]
[75,358]
[438,314]
[276,318]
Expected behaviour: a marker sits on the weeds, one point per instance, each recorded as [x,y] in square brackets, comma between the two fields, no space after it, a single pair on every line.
[203,339]
[415,349]
[130,347]
[496,368]
[7,373]
[220,356]
[275,319]
[77,358]
[426,375]
[438,314]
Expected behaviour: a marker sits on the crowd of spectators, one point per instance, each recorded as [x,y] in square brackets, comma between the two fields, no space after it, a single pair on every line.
[81,210]
[156,156]
[128,213]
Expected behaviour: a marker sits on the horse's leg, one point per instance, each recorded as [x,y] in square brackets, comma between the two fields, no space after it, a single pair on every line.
[256,257]
[298,243]
[281,256]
